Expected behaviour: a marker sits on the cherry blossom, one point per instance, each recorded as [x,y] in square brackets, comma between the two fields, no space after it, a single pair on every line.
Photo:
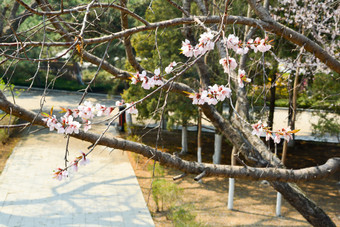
[101,109]
[170,67]
[221,92]
[120,103]
[146,83]
[242,78]
[212,96]
[233,42]
[277,138]
[80,160]
[138,77]
[51,122]
[86,111]
[257,128]
[132,110]
[73,126]
[68,125]
[87,126]
[262,45]
[187,48]
[205,44]
[59,174]
[156,80]
[286,133]
[83,160]
[228,64]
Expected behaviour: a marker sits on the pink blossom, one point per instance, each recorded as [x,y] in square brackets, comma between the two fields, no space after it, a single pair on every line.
[103,110]
[146,83]
[206,41]
[74,165]
[132,110]
[108,110]
[157,72]
[73,126]
[268,135]
[100,109]
[257,128]
[86,111]
[83,161]
[223,93]
[87,126]
[242,50]
[120,103]
[187,49]
[196,99]
[232,42]
[263,47]
[51,122]
[138,77]
[242,78]
[60,128]
[286,133]
[228,63]
[59,174]
[170,67]
[277,138]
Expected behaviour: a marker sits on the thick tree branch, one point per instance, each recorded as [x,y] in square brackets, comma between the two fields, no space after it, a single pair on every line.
[273,27]
[271,174]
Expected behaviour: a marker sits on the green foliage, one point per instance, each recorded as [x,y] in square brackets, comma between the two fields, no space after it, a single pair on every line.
[157,169]
[165,194]
[179,109]
[324,91]
[104,82]
[182,216]
[327,125]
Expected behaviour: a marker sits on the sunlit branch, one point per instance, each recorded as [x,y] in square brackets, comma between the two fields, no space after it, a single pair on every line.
[272,174]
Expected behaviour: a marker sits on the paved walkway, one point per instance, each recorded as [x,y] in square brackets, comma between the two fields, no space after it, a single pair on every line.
[103,193]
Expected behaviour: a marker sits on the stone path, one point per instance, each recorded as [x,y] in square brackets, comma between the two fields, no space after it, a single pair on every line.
[103,193]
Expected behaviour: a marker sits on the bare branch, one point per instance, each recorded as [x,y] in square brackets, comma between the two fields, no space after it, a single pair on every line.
[273,174]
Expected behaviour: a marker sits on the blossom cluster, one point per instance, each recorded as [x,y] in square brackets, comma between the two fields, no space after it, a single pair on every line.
[211,96]
[205,44]
[60,173]
[68,125]
[285,133]
[150,82]
[234,43]
[131,110]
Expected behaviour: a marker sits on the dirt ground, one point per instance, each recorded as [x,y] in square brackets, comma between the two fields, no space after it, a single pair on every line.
[254,202]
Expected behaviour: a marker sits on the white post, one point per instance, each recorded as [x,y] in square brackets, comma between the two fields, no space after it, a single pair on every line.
[184,140]
[278,204]
[218,148]
[199,154]
[231,193]
[128,119]
[232,182]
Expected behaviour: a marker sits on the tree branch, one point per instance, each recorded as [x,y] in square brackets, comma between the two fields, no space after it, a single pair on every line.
[251,173]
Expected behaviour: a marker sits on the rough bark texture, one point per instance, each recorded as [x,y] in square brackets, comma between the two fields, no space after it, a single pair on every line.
[274,174]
